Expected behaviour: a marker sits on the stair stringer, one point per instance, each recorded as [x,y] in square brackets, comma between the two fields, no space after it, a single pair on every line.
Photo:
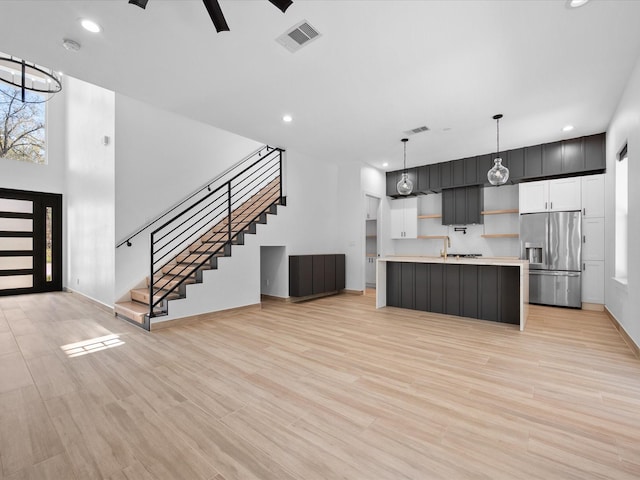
[235,283]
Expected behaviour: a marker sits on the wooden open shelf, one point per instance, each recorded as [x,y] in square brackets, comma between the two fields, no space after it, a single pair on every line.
[500,212]
[500,235]
[433,215]
[432,237]
[371,236]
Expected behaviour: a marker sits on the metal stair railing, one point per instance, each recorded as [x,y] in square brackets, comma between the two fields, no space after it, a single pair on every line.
[212,223]
[193,197]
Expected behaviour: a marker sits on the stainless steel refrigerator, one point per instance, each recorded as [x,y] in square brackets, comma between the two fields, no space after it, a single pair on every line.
[552,242]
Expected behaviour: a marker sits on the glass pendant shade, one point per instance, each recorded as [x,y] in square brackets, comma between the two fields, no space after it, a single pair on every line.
[405,185]
[499,174]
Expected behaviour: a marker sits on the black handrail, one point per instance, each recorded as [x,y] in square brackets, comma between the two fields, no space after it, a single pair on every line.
[216,220]
[207,186]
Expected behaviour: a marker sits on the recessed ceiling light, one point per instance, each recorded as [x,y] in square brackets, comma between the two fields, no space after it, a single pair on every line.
[567,128]
[287,118]
[577,3]
[385,164]
[90,25]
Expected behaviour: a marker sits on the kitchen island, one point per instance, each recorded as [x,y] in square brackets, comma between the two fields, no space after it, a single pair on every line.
[486,288]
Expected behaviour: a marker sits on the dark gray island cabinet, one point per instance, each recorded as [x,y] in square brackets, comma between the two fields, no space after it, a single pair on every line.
[494,289]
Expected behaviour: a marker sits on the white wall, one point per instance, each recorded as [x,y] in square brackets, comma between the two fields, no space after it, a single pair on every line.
[621,300]
[42,178]
[307,225]
[161,158]
[90,190]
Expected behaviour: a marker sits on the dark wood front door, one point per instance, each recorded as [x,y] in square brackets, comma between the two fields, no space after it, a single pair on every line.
[30,242]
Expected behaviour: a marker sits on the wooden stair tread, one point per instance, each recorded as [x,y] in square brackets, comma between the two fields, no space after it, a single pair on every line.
[181,270]
[132,310]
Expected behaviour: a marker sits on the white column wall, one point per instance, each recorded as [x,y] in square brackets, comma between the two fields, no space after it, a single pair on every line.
[621,300]
[90,190]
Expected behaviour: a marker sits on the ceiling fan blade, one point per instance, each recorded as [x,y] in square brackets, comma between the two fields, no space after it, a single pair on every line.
[139,3]
[282,4]
[215,12]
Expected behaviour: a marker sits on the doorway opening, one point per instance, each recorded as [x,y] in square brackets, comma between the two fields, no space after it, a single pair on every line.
[30,242]
[371,240]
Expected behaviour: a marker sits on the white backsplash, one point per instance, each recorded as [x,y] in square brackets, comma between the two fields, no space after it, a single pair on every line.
[495,198]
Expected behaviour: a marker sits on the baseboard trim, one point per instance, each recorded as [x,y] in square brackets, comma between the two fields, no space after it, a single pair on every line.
[353,292]
[623,333]
[93,301]
[273,298]
[204,317]
[593,307]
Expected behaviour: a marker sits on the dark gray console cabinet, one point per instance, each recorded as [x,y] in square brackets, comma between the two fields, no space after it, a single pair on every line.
[486,292]
[316,274]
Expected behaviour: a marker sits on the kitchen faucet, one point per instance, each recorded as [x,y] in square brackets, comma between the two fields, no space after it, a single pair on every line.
[447,242]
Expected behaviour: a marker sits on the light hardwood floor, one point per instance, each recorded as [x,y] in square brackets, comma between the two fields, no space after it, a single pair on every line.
[325,389]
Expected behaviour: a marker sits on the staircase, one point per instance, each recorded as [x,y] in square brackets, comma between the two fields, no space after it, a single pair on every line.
[193,240]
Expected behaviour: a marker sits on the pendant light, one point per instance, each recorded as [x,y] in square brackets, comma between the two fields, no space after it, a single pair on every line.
[405,185]
[499,174]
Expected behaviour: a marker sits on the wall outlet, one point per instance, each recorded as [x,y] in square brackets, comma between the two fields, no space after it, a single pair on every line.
[77,281]
[267,282]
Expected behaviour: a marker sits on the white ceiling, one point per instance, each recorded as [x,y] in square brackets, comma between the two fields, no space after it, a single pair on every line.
[380,68]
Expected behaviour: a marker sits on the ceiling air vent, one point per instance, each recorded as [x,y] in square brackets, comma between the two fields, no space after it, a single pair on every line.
[413,131]
[298,36]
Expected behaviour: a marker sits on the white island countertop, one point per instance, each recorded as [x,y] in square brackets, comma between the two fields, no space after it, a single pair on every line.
[381,274]
[502,261]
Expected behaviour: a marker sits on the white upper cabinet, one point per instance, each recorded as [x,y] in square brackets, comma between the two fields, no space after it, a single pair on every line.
[534,197]
[565,194]
[404,218]
[551,195]
[593,196]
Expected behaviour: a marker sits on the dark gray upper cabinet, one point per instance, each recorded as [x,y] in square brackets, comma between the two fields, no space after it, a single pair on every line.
[434,177]
[462,205]
[474,204]
[533,161]
[484,164]
[391,184]
[457,168]
[459,206]
[515,164]
[471,171]
[552,159]
[423,179]
[565,158]
[394,177]
[594,152]
[448,206]
[446,174]
[573,155]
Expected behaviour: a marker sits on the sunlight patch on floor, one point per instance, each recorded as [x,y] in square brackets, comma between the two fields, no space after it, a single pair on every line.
[93,345]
